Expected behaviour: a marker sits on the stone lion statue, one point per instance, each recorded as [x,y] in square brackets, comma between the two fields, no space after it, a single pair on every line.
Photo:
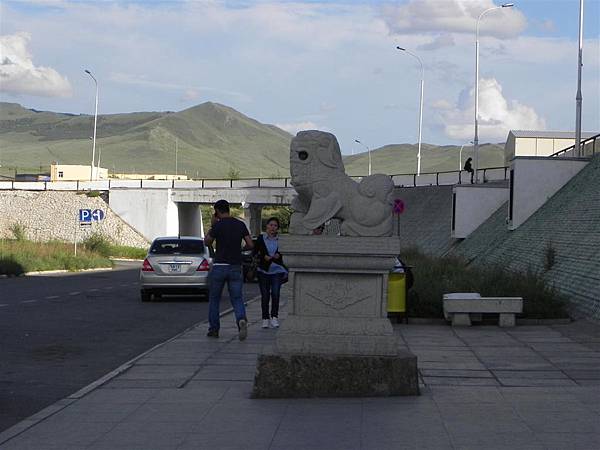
[324,191]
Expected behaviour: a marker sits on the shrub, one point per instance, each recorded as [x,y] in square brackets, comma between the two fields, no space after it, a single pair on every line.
[93,194]
[98,243]
[436,276]
[19,231]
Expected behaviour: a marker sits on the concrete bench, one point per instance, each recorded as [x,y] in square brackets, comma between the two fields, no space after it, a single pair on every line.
[459,306]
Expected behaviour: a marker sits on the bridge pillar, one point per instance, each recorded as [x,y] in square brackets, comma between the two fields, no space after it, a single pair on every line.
[190,219]
[252,217]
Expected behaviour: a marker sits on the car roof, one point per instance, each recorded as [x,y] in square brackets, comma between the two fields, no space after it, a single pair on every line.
[170,238]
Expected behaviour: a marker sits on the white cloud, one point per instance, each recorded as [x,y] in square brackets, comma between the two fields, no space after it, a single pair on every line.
[452,16]
[294,128]
[496,114]
[19,76]
[444,40]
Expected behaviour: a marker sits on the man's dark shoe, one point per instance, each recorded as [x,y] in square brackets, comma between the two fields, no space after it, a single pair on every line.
[213,333]
[243,326]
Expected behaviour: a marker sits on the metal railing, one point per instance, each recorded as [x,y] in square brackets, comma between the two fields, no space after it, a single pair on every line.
[586,144]
[401,180]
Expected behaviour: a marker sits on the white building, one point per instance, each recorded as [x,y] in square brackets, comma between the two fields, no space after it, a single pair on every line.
[538,143]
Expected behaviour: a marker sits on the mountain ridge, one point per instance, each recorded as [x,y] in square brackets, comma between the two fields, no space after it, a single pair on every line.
[211,141]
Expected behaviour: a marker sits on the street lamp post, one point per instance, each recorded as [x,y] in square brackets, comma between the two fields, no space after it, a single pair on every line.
[368,151]
[578,98]
[95,123]
[476,139]
[460,166]
[420,106]
[176,149]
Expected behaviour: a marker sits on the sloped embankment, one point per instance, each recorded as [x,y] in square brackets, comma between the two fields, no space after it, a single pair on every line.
[52,215]
[427,218]
[560,242]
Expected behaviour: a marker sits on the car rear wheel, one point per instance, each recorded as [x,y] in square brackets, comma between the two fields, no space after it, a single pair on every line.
[145,295]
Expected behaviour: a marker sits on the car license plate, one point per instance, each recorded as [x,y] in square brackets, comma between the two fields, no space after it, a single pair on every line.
[174,268]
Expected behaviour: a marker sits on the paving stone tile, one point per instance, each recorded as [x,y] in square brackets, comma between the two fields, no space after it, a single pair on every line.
[570,441]
[149,439]
[466,394]
[561,421]
[444,365]
[57,432]
[155,372]
[457,373]
[170,412]
[116,396]
[515,381]
[459,381]
[506,441]
[188,394]
[534,374]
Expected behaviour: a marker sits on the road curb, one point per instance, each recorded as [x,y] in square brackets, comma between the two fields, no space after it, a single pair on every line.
[59,405]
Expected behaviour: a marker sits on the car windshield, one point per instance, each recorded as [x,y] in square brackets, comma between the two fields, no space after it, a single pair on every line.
[177,247]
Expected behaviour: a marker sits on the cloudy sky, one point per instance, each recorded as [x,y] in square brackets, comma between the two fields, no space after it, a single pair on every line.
[329,65]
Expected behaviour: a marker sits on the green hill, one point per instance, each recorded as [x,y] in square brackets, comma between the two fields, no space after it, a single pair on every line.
[213,141]
[402,158]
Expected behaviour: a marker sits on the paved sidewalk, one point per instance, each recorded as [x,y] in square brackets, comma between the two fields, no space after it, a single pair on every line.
[530,387]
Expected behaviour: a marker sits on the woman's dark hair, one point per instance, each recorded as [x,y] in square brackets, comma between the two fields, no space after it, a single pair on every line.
[274,219]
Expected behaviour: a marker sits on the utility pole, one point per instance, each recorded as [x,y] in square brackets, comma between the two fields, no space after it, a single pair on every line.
[176,149]
[579,98]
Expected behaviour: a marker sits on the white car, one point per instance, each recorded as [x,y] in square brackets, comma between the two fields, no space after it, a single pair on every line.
[175,265]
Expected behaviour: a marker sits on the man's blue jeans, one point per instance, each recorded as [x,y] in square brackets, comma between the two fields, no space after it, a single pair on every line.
[219,275]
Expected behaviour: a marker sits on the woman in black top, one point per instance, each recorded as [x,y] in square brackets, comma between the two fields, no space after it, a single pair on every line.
[270,272]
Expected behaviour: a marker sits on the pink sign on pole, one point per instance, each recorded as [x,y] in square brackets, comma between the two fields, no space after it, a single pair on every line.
[398,206]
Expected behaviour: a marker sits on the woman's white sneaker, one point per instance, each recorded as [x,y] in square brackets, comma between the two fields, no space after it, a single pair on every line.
[265,323]
[274,322]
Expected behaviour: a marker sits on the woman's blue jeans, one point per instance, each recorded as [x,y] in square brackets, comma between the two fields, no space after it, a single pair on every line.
[218,276]
[270,286]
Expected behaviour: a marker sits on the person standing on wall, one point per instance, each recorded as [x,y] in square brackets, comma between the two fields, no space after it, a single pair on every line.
[227,267]
[271,272]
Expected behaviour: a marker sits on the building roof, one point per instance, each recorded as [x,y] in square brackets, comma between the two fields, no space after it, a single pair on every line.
[551,134]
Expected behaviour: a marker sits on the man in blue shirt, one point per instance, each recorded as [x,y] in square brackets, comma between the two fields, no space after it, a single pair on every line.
[228,232]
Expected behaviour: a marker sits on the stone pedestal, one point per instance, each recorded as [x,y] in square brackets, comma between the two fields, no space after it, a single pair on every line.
[337,340]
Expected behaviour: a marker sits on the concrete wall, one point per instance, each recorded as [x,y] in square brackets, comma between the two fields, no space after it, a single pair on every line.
[535,180]
[54,215]
[150,211]
[474,204]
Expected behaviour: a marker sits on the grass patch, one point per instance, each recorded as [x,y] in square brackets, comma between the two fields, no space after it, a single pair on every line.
[435,277]
[17,257]
[98,243]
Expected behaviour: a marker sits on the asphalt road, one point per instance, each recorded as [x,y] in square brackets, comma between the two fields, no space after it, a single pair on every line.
[59,333]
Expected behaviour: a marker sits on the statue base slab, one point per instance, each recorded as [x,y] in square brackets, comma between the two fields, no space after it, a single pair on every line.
[304,376]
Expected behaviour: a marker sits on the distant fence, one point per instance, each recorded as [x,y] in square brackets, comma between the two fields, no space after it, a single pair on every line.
[400,180]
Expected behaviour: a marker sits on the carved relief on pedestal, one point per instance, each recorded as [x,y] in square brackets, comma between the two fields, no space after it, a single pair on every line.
[337,294]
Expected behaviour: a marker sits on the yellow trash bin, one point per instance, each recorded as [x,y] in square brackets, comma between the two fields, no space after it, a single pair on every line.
[396,301]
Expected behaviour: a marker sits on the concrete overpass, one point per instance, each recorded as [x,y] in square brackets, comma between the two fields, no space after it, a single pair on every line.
[168,207]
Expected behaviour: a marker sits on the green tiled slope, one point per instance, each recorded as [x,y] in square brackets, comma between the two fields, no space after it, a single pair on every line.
[570,223]
[427,218]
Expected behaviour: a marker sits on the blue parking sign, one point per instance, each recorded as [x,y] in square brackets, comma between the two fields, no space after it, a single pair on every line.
[85,215]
